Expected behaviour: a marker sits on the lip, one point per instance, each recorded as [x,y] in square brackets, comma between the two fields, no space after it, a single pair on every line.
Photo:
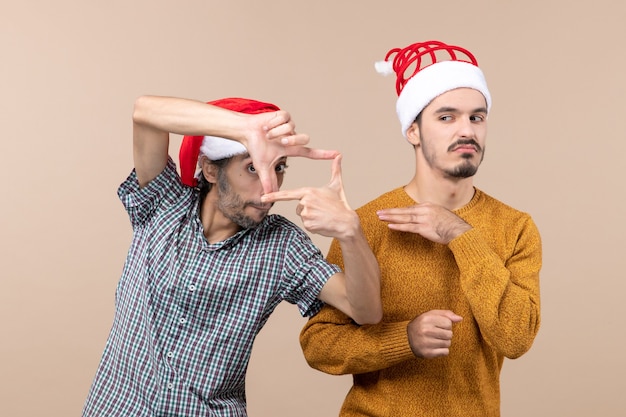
[465,148]
[261,207]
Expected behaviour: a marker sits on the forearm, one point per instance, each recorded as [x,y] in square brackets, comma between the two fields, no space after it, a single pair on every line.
[154,118]
[333,344]
[187,117]
[362,277]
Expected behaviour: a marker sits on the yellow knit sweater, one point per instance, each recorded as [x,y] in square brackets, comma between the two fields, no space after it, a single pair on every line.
[488,275]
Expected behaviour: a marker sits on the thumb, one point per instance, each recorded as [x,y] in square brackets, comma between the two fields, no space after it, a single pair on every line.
[336,181]
[268,179]
[335,173]
[454,318]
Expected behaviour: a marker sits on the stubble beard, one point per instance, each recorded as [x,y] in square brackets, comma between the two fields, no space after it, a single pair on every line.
[465,169]
[232,206]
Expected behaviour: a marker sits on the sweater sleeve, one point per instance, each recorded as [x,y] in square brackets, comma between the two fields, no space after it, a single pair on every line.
[503,293]
[334,344]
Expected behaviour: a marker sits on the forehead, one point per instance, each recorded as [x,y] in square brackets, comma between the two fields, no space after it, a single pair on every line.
[242,157]
[242,161]
[238,162]
[466,99]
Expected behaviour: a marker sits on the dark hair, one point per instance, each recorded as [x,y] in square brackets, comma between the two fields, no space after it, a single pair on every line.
[204,186]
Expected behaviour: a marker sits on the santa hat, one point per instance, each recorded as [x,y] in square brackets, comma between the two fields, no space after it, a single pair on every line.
[213,147]
[426,70]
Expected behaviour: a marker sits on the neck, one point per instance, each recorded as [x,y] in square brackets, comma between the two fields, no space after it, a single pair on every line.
[451,193]
[216,226]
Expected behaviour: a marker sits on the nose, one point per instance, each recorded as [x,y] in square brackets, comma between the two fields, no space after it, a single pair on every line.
[466,128]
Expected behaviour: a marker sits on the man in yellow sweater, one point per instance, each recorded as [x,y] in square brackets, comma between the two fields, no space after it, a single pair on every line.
[459,269]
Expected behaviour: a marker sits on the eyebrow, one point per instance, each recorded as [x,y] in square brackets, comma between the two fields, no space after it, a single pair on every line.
[455,110]
[247,156]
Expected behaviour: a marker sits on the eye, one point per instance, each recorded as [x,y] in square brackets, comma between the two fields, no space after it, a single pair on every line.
[477,118]
[446,118]
[281,168]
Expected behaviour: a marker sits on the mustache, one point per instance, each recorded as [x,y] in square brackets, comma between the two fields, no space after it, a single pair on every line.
[259,204]
[462,142]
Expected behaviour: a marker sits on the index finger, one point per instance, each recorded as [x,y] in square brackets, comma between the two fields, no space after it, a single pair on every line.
[396,211]
[275,119]
[448,314]
[295,139]
[283,195]
[310,153]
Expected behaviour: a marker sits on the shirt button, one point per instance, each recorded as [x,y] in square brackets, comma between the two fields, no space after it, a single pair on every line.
[170,386]
[182,320]
[191,287]
[170,354]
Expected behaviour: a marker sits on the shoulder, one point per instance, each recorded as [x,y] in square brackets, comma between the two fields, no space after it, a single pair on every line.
[394,198]
[490,203]
[279,237]
[278,222]
[372,226]
[391,199]
[493,211]
[277,226]
[162,194]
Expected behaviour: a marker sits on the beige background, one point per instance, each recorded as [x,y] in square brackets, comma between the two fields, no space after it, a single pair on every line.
[70,71]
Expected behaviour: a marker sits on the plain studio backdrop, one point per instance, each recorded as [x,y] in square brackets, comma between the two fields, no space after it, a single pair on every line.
[70,73]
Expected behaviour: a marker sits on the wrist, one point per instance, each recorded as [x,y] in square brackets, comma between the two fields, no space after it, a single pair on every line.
[351,229]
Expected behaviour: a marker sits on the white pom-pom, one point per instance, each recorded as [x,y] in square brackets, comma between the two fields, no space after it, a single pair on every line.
[384,67]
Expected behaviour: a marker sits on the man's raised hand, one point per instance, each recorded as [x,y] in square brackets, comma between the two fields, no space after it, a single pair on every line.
[271,136]
[323,210]
[432,221]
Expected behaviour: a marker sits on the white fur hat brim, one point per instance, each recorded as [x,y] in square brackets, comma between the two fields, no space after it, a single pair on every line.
[216,148]
[433,81]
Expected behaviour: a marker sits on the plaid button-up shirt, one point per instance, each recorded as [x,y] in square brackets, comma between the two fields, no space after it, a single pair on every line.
[187,311]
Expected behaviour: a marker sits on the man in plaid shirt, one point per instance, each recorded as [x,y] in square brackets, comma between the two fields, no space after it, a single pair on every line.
[208,265]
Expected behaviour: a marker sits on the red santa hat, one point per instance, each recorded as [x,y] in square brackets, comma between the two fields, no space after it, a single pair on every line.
[213,147]
[425,70]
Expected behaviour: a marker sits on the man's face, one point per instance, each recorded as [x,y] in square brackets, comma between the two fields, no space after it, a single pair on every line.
[452,133]
[239,191]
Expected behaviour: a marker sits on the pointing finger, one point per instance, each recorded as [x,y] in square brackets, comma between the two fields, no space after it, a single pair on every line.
[397,211]
[298,139]
[310,153]
[275,119]
[283,195]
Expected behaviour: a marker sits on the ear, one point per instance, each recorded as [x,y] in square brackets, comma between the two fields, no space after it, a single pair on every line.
[209,170]
[413,134]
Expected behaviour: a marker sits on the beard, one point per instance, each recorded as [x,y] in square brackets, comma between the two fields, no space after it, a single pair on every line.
[466,168]
[232,205]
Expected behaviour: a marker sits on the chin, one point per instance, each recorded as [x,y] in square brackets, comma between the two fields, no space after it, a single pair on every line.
[465,171]
[252,221]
